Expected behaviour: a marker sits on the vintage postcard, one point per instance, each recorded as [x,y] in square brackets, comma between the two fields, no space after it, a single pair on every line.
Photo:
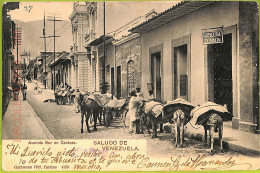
[130,86]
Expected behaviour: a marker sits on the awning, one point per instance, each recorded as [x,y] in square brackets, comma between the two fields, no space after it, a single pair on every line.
[100,40]
[64,56]
[175,12]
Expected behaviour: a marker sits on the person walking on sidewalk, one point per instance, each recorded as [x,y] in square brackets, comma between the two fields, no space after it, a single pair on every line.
[24,91]
[16,86]
[77,100]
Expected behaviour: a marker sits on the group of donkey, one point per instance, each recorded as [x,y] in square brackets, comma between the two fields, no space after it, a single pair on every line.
[64,95]
[92,109]
[180,115]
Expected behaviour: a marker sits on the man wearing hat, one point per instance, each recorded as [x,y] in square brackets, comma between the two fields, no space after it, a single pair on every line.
[77,100]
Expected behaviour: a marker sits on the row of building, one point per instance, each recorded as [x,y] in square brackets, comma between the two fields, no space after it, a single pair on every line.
[196,50]
[8,47]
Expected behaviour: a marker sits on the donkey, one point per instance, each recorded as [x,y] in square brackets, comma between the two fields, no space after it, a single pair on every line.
[150,119]
[89,107]
[179,121]
[115,107]
[214,124]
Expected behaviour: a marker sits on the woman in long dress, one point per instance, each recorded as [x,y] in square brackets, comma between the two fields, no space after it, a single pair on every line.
[133,105]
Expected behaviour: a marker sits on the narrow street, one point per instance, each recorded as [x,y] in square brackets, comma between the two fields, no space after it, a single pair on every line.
[64,123]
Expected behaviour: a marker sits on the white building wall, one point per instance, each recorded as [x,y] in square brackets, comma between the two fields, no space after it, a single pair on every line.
[214,15]
[73,76]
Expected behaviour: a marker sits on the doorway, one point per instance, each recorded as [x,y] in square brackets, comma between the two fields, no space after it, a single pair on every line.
[156,74]
[180,72]
[220,72]
[118,81]
[112,81]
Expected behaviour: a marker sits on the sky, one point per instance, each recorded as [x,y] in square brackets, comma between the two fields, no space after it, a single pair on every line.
[117,13]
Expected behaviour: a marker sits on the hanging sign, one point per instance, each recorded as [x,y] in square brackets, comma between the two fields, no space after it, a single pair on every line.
[212,35]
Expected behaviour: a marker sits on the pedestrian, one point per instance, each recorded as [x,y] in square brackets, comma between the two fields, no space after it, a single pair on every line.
[132,113]
[61,85]
[16,86]
[36,87]
[77,100]
[24,91]
[151,96]
[139,93]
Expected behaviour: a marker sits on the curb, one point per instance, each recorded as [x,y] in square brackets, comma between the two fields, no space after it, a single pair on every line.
[226,145]
[40,122]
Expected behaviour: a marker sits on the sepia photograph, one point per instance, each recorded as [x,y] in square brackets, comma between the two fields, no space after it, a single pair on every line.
[130,86]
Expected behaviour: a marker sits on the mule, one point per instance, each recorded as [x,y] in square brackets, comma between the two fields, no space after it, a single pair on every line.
[89,107]
[214,124]
[150,120]
[121,111]
[179,121]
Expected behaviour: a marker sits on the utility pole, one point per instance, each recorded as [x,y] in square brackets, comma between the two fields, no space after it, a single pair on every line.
[18,43]
[104,42]
[44,37]
[29,56]
[54,36]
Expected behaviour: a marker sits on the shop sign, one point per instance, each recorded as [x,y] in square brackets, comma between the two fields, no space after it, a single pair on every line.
[212,35]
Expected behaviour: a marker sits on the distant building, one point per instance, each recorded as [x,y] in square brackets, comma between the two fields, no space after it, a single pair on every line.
[25,58]
[62,60]
[48,76]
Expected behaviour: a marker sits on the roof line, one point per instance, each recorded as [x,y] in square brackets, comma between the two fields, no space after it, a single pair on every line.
[159,15]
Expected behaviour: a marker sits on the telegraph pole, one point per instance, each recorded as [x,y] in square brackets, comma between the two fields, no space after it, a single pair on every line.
[54,36]
[44,37]
[18,43]
[104,42]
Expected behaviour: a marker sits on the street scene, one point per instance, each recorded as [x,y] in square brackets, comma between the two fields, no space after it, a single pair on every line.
[183,76]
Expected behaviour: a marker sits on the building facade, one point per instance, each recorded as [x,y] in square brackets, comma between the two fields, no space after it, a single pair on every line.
[60,66]
[180,62]
[8,38]
[95,16]
[80,68]
[120,66]
[127,69]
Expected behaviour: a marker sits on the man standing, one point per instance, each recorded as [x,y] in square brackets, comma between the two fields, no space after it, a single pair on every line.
[132,113]
[139,93]
[77,100]
[16,86]
[24,91]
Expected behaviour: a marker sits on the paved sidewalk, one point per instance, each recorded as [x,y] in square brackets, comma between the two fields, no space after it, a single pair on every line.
[233,139]
[28,124]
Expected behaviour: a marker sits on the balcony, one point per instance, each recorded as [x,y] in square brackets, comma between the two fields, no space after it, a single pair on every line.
[73,48]
[89,37]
